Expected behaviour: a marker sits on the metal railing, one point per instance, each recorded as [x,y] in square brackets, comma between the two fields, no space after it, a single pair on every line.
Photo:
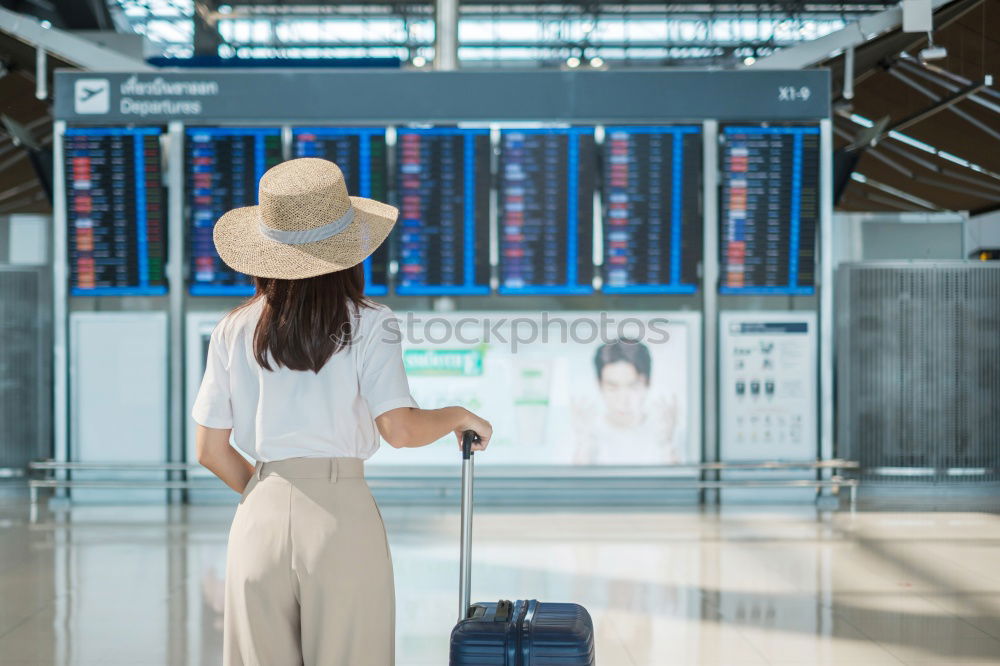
[526,477]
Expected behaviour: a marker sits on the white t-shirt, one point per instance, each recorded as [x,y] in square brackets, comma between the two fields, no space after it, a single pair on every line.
[281,413]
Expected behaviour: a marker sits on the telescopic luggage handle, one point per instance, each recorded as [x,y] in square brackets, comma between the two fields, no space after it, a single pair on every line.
[465,564]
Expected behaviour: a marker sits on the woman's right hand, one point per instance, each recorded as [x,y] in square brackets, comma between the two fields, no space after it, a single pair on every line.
[479,426]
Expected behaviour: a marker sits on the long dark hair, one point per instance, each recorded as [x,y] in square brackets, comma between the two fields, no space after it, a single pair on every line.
[305,322]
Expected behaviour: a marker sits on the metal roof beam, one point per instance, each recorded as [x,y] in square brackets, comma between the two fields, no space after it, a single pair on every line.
[941,105]
[972,120]
[67,46]
[888,189]
[863,30]
[944,79]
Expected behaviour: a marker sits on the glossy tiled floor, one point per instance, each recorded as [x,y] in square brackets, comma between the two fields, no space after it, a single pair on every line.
[143,585]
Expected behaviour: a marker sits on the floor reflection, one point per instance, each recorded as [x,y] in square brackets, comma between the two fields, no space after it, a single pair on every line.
[144,584]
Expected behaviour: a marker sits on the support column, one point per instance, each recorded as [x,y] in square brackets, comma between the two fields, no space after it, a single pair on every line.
[60,307]
[826,330]
[446,34]
[177,415]
[710,300]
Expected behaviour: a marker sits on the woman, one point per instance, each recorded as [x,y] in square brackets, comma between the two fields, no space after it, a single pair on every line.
[305,376]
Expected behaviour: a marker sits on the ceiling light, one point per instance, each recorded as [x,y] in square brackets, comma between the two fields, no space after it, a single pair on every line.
[572,62]
[596,61]
[419,61]
[934,53]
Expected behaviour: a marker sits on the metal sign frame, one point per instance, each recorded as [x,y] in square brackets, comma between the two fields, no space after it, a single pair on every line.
[399,96]
[656,100]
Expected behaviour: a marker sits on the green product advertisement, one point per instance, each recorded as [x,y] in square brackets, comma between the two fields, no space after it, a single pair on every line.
[443,362]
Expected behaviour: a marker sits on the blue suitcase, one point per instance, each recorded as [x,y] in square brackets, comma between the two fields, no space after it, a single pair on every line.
[519,633]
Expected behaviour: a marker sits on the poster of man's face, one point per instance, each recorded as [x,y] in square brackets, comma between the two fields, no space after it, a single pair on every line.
[564,388]
[623,368]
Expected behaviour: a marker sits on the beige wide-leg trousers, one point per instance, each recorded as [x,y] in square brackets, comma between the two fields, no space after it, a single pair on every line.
[308,571]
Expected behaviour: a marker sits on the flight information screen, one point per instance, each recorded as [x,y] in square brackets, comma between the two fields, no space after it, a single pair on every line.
[223,167]
[770,209]
[443,190]
[115,211]
[360,152]
[546,210]
[652,218]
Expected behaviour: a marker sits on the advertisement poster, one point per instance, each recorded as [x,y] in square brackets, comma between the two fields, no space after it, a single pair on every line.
[768,376]
[565,388]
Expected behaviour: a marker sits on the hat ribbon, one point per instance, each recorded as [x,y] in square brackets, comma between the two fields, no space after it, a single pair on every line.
[303,236]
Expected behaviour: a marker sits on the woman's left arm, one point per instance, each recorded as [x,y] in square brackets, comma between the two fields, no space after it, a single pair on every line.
[215,453]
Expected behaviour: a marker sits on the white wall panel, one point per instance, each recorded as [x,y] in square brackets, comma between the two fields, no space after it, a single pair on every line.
[118,386]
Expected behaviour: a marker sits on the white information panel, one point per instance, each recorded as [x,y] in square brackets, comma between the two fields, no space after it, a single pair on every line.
[198,334]
[118,386]
[118,398]
[563,388]
[768,378]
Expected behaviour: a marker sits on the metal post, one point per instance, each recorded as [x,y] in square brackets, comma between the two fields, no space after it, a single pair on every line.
[597,224]
[60,314]
[175,280]
[710,295]
[826,290]
[446,34]
[287,142]
[41,73]
[178,633]
[494,208]
[393,196]
[849,73]
[33,504]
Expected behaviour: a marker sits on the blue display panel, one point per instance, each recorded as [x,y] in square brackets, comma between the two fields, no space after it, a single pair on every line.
[547,180]
[770,209]
[443,190]
[652,218]
[360,152]
[115,211]
[222,169]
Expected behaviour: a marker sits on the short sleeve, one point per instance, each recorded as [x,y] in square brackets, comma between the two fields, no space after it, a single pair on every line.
[213,407]
[381,373]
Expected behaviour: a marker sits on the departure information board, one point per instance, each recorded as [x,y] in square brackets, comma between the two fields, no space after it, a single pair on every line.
[652,218]
[115,211]
[546,210]
[770,209]
[360,152]
[443,190]
[223,167]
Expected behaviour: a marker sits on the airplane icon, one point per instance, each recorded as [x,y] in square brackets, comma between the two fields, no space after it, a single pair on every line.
[92,96]
[90,92]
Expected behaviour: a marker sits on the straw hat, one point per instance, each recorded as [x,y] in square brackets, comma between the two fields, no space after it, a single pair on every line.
[305,225]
